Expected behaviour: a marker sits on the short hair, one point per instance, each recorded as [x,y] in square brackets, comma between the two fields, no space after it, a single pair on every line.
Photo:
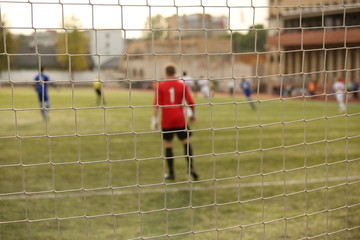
[170,70]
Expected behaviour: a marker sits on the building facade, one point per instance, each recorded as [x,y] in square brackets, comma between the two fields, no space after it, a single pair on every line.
[209,58]
[197,25]
[105,46]
[313,40]
[193,44]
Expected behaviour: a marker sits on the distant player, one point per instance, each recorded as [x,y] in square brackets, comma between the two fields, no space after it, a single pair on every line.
[339,89]
[355,89]
[246,88]
[204,87]
[212,86]
[312,87]
[41,88]
[98,91]
[169,97]
[188,81]
[231,86]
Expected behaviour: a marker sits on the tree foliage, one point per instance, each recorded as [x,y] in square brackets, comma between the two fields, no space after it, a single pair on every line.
[253,40]
[73,45]
[157,23]
[8,44]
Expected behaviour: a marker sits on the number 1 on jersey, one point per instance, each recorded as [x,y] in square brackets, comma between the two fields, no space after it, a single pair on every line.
[172,94]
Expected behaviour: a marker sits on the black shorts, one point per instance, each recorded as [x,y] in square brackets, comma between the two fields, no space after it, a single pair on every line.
[181,133]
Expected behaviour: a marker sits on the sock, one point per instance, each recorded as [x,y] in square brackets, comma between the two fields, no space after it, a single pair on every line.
[188,153]
[170,160]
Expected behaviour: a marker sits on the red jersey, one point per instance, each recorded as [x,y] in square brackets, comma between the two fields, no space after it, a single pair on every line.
[170,96]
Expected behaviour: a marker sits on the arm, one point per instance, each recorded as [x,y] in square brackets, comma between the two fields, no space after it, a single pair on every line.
[156,111]
[155,116]
[53,85]
[47,81]
[191,103]
[155,119]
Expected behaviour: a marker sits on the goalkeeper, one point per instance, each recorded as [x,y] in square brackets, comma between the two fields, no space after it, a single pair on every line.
[169,96]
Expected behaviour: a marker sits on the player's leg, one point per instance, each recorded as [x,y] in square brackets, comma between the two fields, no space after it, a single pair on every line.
[169,160]
[42,104]
[207,93]
[184,136]
[46,105]
[340,99]
[98,96]
[252,105]
[189,157]
[169,156]
[250,101]
[102,96]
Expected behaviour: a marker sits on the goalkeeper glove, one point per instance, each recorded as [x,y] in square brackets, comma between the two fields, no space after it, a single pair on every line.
[154,123]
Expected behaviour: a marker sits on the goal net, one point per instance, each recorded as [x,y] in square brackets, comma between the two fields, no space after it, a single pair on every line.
[275,142]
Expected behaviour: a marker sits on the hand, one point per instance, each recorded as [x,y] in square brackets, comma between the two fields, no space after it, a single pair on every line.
[192,119]
[154,123]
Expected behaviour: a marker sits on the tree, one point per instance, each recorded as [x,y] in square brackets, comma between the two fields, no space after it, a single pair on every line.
[155,23]
[254,39]
[71,45]
[8,44]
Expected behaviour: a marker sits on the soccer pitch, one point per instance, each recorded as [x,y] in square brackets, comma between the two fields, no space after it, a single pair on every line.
[289,170]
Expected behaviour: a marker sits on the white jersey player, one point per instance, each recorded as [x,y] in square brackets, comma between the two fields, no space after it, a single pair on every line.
[339,89]
[204,88]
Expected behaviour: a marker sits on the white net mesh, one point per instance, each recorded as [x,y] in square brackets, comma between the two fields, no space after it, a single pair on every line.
[280,163]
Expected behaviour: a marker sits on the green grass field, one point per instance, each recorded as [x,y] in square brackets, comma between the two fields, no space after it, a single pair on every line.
[289,170]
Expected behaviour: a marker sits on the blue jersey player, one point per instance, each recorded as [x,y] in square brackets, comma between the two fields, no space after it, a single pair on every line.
[41,88]
[246,88]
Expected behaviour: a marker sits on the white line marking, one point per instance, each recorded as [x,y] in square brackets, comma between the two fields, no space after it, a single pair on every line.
[169,188]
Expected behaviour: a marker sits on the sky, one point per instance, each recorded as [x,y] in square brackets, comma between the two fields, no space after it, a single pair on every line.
[25,15]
